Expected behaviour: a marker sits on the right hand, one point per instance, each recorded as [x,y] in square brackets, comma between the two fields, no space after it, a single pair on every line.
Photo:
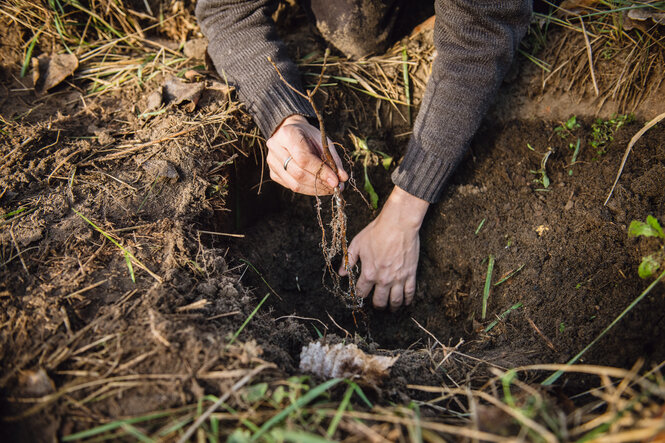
[388,249]
[305,172]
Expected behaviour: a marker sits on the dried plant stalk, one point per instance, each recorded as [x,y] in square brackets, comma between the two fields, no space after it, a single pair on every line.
[338,240]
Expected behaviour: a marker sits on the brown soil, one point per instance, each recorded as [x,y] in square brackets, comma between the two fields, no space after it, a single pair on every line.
[579,266]
[69,306]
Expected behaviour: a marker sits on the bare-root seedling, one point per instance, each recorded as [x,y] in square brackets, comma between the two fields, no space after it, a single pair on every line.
[338,240]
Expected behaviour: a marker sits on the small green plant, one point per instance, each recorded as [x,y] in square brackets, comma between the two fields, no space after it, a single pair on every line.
[653,262]
[543,180]
[576,152]
[369,157]
[566,128]
[602,131]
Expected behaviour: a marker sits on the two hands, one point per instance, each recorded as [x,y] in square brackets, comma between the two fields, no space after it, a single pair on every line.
[388,247]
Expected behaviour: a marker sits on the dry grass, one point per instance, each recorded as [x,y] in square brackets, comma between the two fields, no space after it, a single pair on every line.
[114,44]
[599,54]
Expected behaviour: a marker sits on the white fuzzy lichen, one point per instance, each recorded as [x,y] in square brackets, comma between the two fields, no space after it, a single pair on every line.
[342,360]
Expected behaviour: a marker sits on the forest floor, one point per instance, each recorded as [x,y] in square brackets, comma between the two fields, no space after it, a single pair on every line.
[156,286]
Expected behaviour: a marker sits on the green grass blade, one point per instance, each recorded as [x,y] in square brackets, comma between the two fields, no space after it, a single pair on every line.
[124,251]
[373,196]
[488,285]
[340,410]
[128,260]
[28,53]
[554,377]
[112,426]
[407,86]
[362,395]
[509,276]
[261,276]
[247,320]
[140,436]
[480,226]
[298,437]
[301,402]
[502,316]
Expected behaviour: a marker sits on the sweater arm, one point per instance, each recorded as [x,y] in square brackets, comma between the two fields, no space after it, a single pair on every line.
[242,37]
[475,42]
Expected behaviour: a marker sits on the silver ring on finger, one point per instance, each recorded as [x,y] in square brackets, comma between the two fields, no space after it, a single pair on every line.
[286,162]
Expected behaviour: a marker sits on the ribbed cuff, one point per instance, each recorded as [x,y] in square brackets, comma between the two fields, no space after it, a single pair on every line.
[422,174]
[278,103]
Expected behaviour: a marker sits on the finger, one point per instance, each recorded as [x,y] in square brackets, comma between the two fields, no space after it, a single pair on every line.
[341,173]
[381,294]
[353,258]
[305,155]
[409,290]
[300,174]
[274,170]
[363,286]
[396,297]
[279,175]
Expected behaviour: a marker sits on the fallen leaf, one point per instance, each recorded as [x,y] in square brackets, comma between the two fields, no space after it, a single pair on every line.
[196,48]
[50,70]
[642,19]
[176,91]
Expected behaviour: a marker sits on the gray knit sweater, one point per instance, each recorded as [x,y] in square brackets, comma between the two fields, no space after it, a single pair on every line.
[475,40]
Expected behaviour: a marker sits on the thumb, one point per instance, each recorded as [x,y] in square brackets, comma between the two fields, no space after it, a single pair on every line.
[353,259]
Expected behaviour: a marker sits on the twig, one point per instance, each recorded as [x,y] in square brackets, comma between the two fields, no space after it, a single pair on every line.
[590,55]
[543,336]
[87,288]
[335,323]
[225,234]
[633,140]
[11,232]
[153,329]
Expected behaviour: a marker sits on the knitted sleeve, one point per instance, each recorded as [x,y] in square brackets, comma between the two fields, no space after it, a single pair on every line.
[475,42]
[242,38]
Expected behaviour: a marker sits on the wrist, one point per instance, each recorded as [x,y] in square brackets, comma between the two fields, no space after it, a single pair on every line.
[405,209]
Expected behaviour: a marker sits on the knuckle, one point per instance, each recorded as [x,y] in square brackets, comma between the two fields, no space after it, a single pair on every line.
[369,274]
[384,280]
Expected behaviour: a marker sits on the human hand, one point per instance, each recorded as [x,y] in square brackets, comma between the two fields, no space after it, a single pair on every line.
[305,172]
[388,249]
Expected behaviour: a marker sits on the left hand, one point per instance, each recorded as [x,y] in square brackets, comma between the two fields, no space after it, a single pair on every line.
[388,249]
[297,144]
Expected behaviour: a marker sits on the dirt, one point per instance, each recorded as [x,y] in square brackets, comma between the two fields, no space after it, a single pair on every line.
[160,186]
[577,264]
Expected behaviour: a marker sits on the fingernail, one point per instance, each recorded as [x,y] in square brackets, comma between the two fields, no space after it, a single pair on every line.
[332,182]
